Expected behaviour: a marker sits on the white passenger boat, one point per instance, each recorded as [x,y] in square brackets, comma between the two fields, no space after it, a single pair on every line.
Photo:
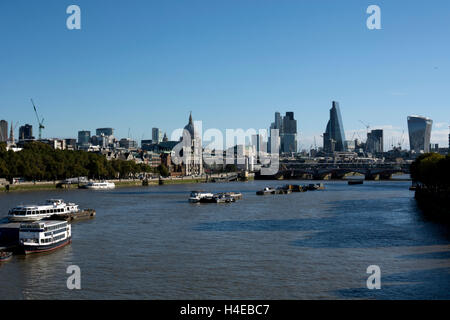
[51,207]
[102,185]
[43,236]
[197,196]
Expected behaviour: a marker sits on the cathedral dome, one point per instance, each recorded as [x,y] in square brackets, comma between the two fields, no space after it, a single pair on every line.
[190,127]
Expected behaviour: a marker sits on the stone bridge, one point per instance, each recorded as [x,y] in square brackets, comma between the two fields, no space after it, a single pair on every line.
[324,171]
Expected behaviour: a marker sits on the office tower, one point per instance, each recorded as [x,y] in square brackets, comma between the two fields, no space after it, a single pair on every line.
[70,143]
[128,143]
[146,144]
[334,136]
[288,135]
[156,135]
[3,131]
[375,141]
[84,138]
[26,132]
[104,131]
[419,133]
[278,121]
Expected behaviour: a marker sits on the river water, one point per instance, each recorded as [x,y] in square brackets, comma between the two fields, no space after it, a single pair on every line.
[150,243]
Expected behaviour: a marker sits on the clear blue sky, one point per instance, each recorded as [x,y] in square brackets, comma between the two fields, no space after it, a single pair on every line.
[233,63]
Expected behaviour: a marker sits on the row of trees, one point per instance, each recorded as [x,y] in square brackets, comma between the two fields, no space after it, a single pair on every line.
[38,161]
[432,170]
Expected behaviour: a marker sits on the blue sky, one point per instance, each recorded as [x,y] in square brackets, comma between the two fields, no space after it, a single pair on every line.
[142,64]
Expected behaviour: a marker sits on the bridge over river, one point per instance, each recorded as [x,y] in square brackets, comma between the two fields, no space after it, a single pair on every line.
[324,171]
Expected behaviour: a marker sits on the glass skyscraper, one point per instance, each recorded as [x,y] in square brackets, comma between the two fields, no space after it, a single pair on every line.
[375,141]
[334,136]
[287,133]
[419,133]
[84,137]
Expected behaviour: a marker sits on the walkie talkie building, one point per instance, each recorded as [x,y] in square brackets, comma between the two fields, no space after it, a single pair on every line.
[419,133]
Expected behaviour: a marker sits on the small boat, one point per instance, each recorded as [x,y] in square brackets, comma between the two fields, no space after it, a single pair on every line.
[102,185]
[298,188]
[197,196]
[234,195]
[5,256]
[44,236]
[283,190]
[223,198]
[266,190]
[50,208]
[355,181]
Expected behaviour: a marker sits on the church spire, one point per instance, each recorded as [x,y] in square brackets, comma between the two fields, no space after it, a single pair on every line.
[190,118]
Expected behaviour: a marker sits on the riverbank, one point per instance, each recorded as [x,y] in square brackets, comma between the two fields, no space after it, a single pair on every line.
[58,185]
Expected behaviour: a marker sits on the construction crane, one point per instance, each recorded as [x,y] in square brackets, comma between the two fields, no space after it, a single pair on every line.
[400,143]
[40,122]
[366,125]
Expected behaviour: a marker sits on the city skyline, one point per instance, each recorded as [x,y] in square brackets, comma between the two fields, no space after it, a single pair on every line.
[158,61]
[374,139]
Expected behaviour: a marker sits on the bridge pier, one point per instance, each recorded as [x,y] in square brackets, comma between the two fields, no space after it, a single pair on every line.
[386,176]
[370,176]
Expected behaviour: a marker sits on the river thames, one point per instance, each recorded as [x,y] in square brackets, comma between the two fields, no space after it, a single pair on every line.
[150,243]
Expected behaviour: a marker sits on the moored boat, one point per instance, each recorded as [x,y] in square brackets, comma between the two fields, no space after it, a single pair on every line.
[37,212]
[223,198]
[5,256]
[44,236]
[197,196]
[101,185]
[234,195]
[266,190]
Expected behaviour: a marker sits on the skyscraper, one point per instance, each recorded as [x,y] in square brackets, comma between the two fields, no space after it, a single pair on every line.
[3,131]
[375,141]
[156,135]
[104,131]
[84,137]
[26,132]
[288,135]
[334,136]
[419,133]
